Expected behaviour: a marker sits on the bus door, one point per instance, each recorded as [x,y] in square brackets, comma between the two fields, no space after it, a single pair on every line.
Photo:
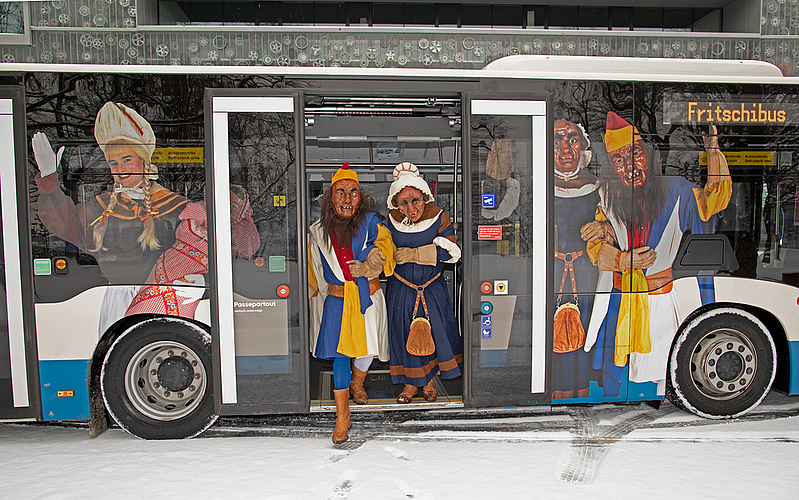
[19,393]
[506,258]
[255,266]
[373,133]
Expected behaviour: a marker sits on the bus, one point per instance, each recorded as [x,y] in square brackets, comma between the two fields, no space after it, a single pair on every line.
[629,232]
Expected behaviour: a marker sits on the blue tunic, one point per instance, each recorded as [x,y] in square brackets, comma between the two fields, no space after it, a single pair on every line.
[572,371]
[400,298]
[330,329]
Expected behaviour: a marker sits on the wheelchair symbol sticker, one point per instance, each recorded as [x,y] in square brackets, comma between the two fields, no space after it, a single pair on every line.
[486,321]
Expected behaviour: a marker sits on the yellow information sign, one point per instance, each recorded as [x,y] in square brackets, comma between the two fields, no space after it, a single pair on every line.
[178,155]
[744,158]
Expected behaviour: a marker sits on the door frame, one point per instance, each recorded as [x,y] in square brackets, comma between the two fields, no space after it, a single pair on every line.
[219,102]
[17,252]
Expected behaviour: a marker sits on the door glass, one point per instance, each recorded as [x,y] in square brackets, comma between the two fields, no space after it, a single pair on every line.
[256,231]
[508,281]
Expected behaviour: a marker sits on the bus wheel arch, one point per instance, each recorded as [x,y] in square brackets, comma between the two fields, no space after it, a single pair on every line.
[722,363]
[156,379]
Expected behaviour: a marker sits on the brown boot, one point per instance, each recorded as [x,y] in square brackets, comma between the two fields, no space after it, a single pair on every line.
[407,394]
[356,387]
[429,391]
[343,422]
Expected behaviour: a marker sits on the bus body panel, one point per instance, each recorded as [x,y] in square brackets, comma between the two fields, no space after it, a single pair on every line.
[262,368]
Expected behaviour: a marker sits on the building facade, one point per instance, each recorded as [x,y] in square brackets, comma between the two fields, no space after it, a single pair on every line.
[379,34]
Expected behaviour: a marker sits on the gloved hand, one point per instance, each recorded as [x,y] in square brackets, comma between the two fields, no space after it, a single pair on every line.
[596,230]
[426,255]
[371,268]
[46,159]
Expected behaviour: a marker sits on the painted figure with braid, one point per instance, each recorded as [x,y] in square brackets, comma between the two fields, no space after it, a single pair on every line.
[127,227]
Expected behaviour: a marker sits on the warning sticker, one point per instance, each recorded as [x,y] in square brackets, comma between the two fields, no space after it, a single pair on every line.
[489,232]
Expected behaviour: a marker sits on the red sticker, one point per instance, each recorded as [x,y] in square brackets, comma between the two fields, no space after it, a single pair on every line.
[485,287]
[489,232]
[283,291]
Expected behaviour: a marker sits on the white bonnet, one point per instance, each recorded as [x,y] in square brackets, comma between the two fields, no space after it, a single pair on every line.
[406,174]
[118,122]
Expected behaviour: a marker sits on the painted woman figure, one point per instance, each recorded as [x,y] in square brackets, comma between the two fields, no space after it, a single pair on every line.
[425,240]
[175,285]
[125,228]
[575,276]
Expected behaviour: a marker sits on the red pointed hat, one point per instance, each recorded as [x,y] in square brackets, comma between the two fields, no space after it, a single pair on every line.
[344,173]
[619,132]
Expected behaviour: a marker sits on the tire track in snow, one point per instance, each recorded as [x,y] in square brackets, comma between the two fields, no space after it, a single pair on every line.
[579,462]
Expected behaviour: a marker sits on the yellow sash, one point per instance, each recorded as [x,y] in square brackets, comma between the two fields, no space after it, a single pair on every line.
[632,328]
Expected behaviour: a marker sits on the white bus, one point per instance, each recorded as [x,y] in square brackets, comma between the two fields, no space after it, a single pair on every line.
[628,229]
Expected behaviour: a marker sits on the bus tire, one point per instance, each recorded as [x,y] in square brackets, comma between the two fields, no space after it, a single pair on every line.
[722,364]
[156,379]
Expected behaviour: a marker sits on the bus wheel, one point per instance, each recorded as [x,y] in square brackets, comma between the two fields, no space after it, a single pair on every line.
[722,364]
[156,379]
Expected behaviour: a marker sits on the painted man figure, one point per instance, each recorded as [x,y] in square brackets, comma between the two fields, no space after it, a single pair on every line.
[639,224]
[349,248]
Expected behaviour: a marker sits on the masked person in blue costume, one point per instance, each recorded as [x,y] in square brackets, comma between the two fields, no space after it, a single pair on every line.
[348,250]
[423,331]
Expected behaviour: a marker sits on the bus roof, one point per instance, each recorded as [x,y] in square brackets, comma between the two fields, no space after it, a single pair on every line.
[594,67]
[540,67]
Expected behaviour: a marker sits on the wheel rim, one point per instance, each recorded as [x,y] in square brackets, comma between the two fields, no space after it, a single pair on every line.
[165,380]
[723,364]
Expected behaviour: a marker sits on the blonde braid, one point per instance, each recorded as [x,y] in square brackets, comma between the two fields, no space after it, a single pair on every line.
[148,239]
[102,224]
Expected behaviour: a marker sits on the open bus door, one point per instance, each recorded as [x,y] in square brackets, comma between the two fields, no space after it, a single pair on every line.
[255,256]
[506,258]
[19,393]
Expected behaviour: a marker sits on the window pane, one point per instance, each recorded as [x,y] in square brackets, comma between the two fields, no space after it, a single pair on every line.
[360,13]
[329,13]
[563,17]
[447,14]
[707,20]
[506,15]
[203,12]
[11,20]
[648,19]
[268,13]
[387,14]
[535,17]
[476,15]
[297,13]
[677,19]
[620,18]
[239,13]
[593,18]
[417,14]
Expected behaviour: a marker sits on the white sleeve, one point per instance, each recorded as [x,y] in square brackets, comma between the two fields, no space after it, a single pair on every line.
[453,249]
[510,201]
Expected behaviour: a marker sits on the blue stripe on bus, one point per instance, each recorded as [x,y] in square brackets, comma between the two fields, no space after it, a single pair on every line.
[64,375]
[793,382]
[261,365]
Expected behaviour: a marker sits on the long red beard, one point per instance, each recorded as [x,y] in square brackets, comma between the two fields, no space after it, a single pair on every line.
[343,228]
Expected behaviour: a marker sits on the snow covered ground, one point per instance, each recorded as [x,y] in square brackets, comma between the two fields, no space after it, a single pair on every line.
[616,453]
